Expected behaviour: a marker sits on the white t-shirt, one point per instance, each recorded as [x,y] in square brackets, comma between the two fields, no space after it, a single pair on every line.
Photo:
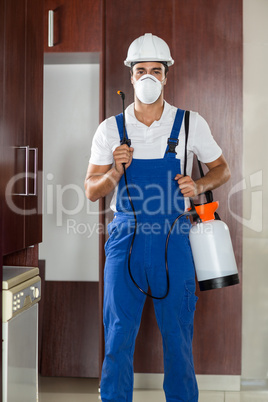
[151,142]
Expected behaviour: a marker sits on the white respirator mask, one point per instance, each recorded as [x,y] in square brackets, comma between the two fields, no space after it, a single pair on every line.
[148,89]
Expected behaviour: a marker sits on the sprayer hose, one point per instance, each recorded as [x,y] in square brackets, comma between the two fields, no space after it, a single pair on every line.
[132,242]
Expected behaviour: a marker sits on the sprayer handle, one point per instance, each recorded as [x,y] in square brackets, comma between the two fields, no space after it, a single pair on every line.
[125,141]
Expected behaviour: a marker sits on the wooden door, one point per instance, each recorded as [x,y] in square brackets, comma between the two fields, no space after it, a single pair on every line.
[13,161]
[205,38]
[209,78]
[22,123]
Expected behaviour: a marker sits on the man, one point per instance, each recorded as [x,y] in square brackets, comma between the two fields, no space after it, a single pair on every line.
[154,165]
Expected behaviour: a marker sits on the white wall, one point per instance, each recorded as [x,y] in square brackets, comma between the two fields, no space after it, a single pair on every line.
[70,221]
[255,224]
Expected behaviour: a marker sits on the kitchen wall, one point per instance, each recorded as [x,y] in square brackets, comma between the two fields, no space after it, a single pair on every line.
[255,193]
[70,221]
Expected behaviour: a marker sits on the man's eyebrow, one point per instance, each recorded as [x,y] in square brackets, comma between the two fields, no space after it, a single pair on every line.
[154,68]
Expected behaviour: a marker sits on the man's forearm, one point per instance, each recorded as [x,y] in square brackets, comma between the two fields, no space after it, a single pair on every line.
[214,178]
[101,184]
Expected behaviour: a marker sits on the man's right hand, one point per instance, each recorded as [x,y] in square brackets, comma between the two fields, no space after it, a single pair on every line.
[122,154]
[102,179]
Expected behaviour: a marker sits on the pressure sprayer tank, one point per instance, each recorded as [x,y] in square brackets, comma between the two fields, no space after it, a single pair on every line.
[212,250]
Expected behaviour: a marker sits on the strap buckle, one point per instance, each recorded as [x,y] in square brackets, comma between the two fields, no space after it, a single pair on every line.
[172,143]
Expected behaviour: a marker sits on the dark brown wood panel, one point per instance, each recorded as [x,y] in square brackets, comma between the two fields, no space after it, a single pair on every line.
[125,21]
[34,118]
[70,338]
[205,38]
[22,121]
[148,357]
[27,257]
[13,120]
[77,25]
[209,80]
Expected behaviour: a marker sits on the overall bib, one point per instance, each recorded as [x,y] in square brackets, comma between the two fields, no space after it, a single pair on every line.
[157,201]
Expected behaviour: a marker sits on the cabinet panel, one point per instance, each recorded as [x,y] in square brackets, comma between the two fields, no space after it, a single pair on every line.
[13,122]
[77,25]
[22,121]
[70,330]
[34,120]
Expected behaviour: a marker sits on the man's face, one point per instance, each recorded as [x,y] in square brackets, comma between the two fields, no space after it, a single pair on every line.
[153,68]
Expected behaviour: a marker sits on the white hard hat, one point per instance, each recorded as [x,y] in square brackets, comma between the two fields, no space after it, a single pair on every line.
[148,48]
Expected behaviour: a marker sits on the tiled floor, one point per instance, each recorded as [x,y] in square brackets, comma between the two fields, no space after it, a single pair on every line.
[86,390]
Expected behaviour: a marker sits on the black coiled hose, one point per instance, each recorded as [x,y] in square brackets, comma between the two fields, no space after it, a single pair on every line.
[132,242]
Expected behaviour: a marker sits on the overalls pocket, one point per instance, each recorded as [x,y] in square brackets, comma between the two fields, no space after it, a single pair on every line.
[120,231]
[112,231]
[188,303]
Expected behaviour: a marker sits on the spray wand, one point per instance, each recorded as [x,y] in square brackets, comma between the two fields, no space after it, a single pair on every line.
[125,140]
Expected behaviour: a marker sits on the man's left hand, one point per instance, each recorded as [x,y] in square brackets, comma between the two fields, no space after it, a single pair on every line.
[187,185]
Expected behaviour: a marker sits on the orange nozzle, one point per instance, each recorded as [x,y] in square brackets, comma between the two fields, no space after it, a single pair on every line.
[121,94]
[206,211]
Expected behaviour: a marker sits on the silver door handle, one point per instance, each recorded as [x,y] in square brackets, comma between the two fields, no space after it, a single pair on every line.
[50,28]
[34,174]
[25,174]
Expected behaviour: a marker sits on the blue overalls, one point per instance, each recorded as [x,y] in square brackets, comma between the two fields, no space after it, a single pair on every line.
[157,201]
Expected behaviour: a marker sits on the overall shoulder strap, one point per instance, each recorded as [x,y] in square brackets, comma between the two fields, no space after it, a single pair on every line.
[120,126]
[173,140]
[208,194]
[186,126]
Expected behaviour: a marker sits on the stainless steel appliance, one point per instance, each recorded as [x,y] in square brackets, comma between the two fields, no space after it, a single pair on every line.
[21,293]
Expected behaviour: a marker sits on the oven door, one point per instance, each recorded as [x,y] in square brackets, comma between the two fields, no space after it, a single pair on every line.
[20,357]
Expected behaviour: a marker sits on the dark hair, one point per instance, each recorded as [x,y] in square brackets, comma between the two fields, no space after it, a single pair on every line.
[162,62]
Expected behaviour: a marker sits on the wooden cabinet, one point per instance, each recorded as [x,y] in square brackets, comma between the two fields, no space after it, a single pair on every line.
[76,25]
[22,124]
